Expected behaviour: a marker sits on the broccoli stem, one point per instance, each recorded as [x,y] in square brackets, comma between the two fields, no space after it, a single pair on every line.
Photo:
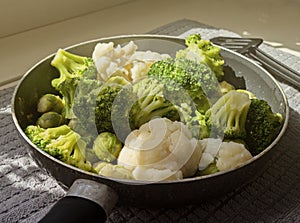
[69,95]
[67,142]
[54,133]
[145,116]
[149,105]
[228,115]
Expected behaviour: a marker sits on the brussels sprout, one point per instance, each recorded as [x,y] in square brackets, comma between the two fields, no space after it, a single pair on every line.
[50,102]
[107,146]
[50,120]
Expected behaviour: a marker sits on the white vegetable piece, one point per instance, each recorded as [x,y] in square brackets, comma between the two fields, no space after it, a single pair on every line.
[160,150]
[110,170]
[228,155]
[109,59]
[151,174]
[211,148]
[149,56]
[125,61]
[232,155]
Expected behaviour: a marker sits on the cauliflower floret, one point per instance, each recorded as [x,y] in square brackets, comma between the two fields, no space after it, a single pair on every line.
[211,148]
[232,155]
[162,147]
[144,173]
[149,56]
[226,155]
[124,61]
[109,59]
[141,63]
[110,170]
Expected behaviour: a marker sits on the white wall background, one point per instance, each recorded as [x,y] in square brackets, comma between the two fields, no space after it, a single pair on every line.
[21,15]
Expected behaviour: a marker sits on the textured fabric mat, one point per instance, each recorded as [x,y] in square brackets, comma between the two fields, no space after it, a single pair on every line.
[27,192]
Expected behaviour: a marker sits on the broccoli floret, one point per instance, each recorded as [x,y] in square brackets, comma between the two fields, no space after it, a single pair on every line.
[227,117]
[262,125]
[103,107]
[84,109]
[196,79]
[152,102]
[203,51]
[62,143]
[198,126]
[72,69]
[104,103]
[194,120]
[120,112]
[41,137]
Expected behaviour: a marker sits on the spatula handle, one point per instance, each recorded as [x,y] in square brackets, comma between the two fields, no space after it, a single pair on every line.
[275,67]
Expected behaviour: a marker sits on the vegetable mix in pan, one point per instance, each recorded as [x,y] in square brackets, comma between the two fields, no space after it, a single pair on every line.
[144,115]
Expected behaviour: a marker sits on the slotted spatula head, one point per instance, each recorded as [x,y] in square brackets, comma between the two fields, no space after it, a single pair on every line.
[240,45]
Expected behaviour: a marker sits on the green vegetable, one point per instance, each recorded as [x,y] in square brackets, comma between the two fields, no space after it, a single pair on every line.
[196,79]
[250,94]
[107,146]
[202,51]
[62,143]
[50,119]
[172,89]
[262,125]
[50,102]
[104,103]
[152,102]
[198,126]
[226,87]
[120,113]
[84,109]
[228,115]
[72,69]
[93,106]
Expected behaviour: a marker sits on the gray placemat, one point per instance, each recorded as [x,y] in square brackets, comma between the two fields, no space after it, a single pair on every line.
[27,192]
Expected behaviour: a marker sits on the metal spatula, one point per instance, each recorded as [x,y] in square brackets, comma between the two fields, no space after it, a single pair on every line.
[249,48]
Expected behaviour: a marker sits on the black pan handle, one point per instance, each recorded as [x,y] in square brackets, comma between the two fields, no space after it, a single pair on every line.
[275,67]
[86,201]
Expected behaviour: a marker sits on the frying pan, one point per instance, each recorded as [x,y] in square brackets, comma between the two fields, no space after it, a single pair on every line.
[91,196]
